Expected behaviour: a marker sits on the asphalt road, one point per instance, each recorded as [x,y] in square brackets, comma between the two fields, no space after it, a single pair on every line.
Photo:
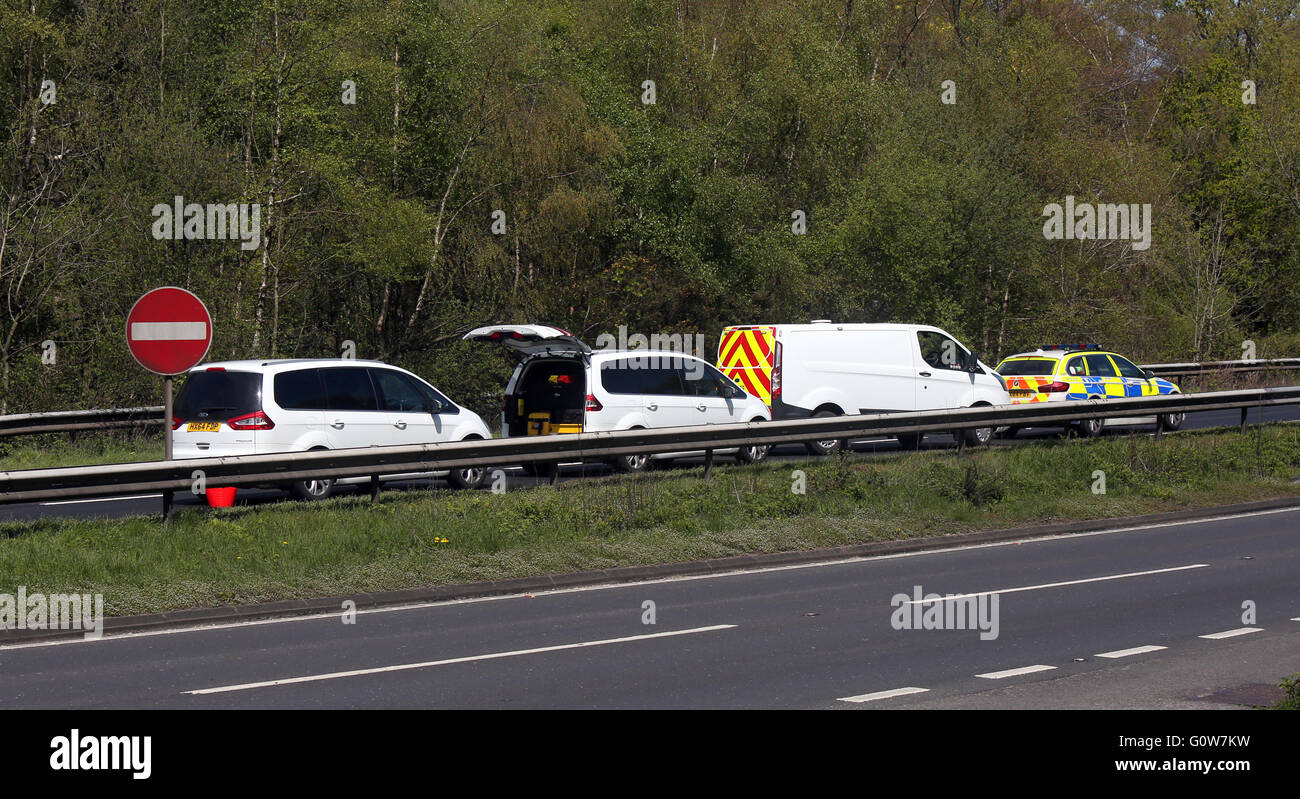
[111,508]
[819,636]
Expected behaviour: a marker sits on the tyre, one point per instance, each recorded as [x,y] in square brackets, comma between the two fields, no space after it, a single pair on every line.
[1170,421]
[312,490]
[910,441]
[754,454]
[1010,432]
[829,446]
[977,437]
[628,464]
[1089,428]
[467,479]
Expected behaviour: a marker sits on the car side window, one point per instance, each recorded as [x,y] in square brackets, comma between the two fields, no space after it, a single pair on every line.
[702,380]
[619,379]
[661,381]
[940,351]
[1127,368]
[397,392]
[300,390]
[1074,367]
[349,389]
[1099,366]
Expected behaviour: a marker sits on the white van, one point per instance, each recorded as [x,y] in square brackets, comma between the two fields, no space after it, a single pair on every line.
[260,407]
[562,386]
[828,369]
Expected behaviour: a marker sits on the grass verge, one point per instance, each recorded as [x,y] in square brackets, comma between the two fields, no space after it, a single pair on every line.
[420,538]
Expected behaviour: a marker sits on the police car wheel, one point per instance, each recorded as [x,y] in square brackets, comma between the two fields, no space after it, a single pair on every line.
[1090,428]
[977,437]
[1171,421]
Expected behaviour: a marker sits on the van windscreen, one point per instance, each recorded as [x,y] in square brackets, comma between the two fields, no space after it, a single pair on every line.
[218,396]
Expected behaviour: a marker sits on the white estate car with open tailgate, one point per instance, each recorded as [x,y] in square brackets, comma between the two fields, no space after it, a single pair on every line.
[260,407]
[562,386]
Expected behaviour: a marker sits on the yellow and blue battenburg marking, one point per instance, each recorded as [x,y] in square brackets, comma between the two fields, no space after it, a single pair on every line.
[1060,384]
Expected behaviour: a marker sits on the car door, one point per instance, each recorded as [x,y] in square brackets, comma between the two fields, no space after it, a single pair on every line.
[1136,383]
[1102,376]
[353,418]
[405,405]
[943,382]
[665,400]
[711,392]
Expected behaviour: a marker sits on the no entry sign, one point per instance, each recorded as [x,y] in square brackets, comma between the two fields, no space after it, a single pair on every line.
[168,330]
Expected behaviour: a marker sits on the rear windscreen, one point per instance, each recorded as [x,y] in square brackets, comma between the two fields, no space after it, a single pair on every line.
[1027,366]
[218,396]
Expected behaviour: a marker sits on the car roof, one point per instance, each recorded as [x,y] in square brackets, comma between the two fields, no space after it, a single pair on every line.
[1057,354]
[256,365]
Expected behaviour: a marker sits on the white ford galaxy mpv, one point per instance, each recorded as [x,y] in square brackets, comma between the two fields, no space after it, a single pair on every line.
[261,407]
[562,386]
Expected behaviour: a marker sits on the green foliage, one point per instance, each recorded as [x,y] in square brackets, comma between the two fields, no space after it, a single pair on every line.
[671,217]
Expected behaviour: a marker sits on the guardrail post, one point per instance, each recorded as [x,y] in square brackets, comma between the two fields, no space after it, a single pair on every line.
[374,488]
[1244,411]
[961,440]
[708,463]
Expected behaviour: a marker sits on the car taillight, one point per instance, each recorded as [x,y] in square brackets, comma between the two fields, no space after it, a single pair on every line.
[776,372]
[593,404]
[252,421]
[176,423]
[1053,388]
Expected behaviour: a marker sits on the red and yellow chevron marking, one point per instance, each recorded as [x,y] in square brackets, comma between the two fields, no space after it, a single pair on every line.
[1025,388]
[745,355]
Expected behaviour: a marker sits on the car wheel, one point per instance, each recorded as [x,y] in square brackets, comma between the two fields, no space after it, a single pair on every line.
[468,479]
[829,446]
[1170,421]
[754,454]
[312,489]
[630,463]
[1090,428]
[977,437]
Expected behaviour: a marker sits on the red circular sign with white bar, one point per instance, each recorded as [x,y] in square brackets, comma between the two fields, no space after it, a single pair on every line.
[168,330]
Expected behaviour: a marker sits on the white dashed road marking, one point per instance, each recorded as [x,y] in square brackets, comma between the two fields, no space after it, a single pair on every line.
[1234,633]
[890,694]
[1137,650]
[1002,675]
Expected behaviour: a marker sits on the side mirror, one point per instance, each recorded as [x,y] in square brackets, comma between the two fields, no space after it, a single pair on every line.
[1150,374]
[972,363]
[433,407]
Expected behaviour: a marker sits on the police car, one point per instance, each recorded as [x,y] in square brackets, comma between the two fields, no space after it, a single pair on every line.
[1060,372]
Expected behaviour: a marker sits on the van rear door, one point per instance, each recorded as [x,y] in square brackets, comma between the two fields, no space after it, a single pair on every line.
[745,354]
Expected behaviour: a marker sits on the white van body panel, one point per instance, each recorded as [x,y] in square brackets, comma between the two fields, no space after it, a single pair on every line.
[873,368]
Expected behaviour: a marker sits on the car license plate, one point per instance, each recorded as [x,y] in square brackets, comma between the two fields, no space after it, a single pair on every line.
[1021,393]
[202,427]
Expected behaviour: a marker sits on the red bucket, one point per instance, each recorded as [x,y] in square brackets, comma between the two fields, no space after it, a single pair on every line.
[221,497]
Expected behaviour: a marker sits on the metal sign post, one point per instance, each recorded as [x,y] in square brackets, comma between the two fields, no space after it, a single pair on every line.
[169,331]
